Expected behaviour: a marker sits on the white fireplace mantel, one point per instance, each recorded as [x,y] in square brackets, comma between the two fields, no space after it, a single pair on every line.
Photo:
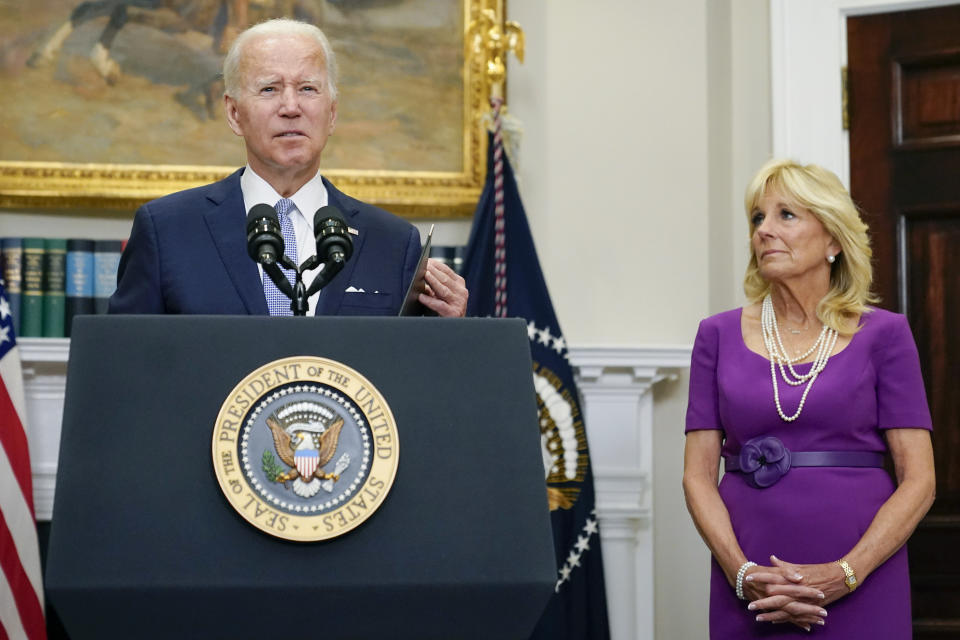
[616,384]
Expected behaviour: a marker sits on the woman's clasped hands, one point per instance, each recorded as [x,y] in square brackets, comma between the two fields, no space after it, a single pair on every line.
[786,592]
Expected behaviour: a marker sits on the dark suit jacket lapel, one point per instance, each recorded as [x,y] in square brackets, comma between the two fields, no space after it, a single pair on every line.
[332,295]
[226,221]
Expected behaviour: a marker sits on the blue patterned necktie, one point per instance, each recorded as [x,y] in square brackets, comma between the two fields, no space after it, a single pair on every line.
[278,303]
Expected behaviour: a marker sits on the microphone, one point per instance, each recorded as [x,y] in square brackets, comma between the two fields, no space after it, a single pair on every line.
[265,245]
[333,240]
[334,245]
[264,237]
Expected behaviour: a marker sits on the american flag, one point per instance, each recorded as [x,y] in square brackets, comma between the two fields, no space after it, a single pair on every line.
[21,589]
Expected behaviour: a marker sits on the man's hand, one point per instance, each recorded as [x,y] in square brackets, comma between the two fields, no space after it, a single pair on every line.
[446,291]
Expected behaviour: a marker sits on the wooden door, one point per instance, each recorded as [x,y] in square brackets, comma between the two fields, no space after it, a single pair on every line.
[904,101]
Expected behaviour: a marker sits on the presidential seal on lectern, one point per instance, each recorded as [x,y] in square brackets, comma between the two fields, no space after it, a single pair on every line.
[305,448]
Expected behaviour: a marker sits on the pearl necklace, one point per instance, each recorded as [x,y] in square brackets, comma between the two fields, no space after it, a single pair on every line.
[778,356]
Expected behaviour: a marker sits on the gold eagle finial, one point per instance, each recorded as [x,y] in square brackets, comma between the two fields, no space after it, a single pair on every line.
[488,37]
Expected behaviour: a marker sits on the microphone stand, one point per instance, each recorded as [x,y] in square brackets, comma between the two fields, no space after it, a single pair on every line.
[298,293]
[331,267]
[298,303]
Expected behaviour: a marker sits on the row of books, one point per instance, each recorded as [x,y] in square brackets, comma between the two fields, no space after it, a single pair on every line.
[50,280]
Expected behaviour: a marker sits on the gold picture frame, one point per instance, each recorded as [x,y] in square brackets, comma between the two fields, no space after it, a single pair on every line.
[98,186]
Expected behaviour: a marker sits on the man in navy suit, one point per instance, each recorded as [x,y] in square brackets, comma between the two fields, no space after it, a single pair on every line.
[187,252]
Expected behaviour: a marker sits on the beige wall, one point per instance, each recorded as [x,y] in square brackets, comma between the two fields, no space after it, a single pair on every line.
[613,100]
[644,119]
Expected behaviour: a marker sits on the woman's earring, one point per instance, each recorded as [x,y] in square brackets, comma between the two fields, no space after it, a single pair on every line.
[831,259]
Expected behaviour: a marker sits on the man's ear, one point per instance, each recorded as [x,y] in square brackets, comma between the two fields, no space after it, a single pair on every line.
[232,111]
[333,116]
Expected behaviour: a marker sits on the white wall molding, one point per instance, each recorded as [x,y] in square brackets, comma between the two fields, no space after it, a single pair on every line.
[44,362]
[616,384]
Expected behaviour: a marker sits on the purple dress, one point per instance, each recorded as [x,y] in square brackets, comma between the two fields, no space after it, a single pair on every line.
[812,514]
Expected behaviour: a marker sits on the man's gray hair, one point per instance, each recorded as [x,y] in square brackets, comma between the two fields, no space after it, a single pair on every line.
[282,27]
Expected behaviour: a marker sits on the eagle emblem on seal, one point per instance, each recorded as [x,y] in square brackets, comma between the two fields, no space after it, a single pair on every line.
[305,439]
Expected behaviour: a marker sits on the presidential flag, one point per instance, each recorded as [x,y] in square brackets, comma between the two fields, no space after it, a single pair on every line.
[504,279]
[21,589]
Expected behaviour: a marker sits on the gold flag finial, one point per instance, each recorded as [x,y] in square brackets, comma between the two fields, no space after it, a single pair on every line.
[489,38]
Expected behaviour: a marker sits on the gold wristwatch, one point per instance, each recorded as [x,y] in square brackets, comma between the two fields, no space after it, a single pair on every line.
[851,577]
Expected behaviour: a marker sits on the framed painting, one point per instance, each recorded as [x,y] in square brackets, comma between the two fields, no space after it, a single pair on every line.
[109,103]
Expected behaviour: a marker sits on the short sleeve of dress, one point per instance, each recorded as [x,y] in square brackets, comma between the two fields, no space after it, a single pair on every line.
[901,398]
[703,405]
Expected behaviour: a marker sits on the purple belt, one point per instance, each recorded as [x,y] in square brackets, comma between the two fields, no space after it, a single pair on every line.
[765,460]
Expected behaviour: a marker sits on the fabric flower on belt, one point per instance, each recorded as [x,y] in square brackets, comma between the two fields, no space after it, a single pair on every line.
[763,461]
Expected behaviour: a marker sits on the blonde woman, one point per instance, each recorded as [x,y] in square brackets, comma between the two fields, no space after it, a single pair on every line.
[801,393]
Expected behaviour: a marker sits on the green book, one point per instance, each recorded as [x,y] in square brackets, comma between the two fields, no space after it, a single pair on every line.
[54,286]
[31,302]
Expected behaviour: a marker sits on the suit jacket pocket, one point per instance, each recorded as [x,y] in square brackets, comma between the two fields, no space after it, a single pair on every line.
[368,304]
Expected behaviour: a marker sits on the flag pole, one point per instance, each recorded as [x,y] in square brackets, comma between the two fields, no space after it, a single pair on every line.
[490,37]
